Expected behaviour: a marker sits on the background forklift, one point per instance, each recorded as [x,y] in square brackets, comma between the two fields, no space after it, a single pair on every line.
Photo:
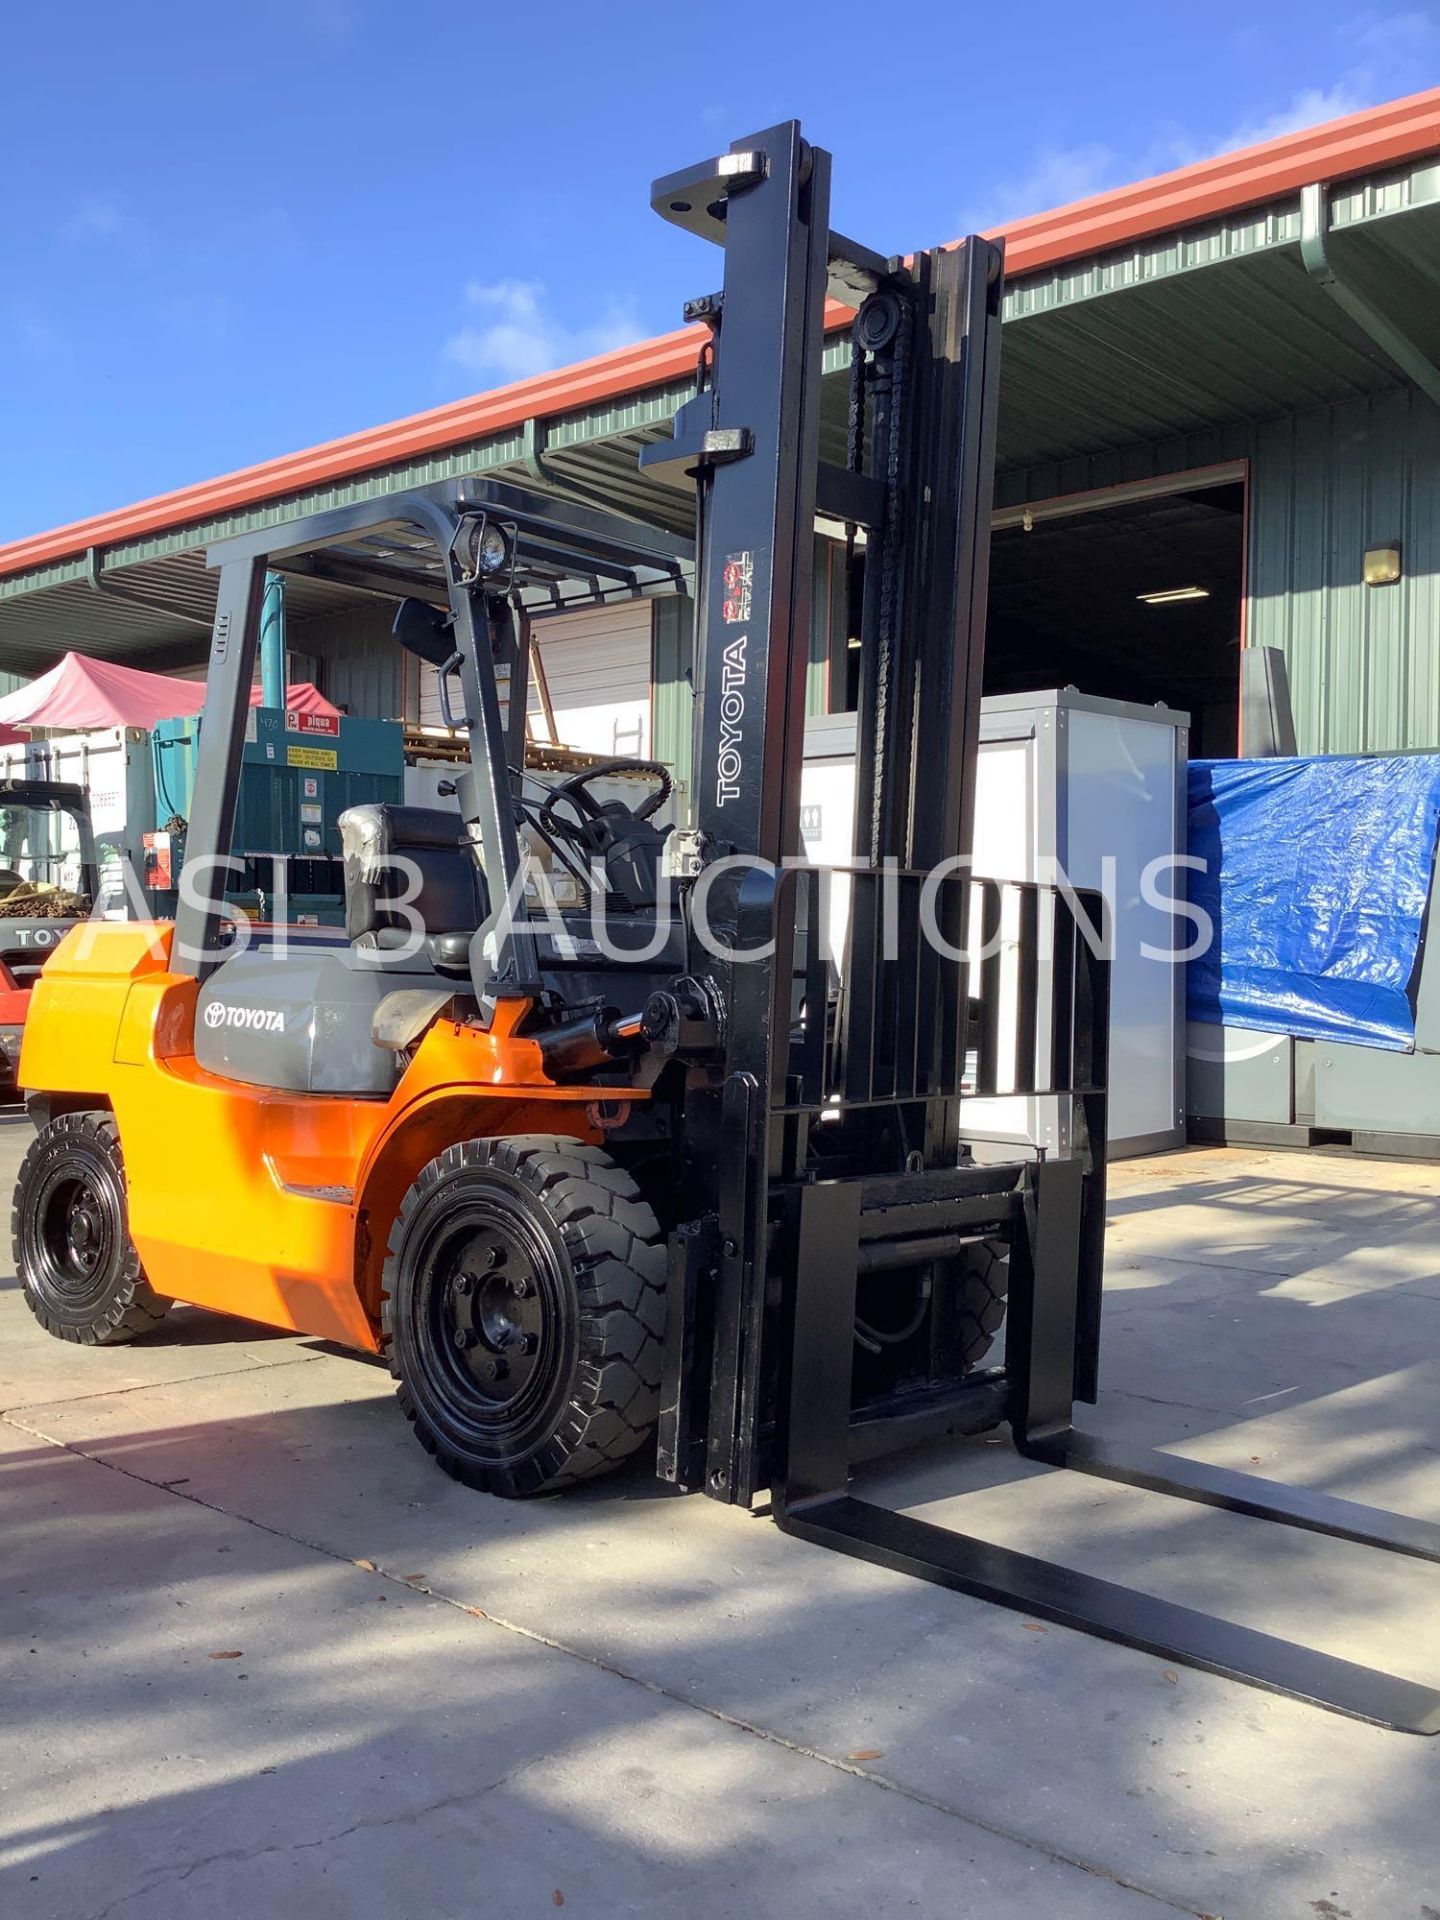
[581,1167]
[49,882]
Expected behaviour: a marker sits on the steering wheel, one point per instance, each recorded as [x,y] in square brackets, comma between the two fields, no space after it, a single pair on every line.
[588,808]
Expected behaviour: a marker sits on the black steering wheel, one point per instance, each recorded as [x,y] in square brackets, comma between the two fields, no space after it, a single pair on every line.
[588,808]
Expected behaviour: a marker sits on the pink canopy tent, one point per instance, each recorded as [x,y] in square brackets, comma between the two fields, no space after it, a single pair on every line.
[302,696]
[79,694]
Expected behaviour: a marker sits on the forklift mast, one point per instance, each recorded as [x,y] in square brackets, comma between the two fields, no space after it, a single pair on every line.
[821,1135]
[877,1098]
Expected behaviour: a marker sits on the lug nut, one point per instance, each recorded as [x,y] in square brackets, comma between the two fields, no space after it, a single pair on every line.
[465,1285]
[519,1285]
[494,1256]
[464,1337]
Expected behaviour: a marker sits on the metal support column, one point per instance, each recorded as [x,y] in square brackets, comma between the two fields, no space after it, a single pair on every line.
[217,773]
[513,970]
[272,642]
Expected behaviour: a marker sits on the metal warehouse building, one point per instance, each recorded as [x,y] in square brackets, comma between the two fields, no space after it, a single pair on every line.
[1220,394]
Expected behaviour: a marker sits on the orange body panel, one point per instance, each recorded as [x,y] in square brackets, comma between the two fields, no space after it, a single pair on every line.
[275,1206]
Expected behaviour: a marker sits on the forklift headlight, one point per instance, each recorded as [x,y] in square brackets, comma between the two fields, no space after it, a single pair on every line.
[494,549]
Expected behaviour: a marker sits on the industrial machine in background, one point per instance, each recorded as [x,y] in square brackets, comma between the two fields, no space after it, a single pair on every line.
[692,1180]
[299,773]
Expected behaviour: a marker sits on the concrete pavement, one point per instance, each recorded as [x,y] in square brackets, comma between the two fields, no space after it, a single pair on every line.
[627,1702]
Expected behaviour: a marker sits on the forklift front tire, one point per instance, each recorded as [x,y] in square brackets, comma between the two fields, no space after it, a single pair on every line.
[982,1277]
[70,1230]
[524,1312]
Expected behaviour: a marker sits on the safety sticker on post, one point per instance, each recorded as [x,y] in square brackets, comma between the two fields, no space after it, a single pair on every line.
[739,576]
[734,611]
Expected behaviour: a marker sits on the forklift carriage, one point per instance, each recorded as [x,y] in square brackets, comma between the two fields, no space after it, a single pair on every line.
[703,1177]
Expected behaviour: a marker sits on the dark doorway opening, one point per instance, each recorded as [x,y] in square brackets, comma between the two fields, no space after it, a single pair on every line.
[1069,606]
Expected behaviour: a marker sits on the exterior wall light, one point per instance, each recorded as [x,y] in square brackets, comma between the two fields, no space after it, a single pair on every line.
[1382,566]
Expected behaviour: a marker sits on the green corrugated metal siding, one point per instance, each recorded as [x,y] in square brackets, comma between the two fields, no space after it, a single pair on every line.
[1325,484]
[361,667]
[1177,453]
[672,704]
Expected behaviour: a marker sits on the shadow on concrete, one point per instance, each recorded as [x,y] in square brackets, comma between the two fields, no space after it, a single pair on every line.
[380,1753]
[445,1763]
[1185,1785]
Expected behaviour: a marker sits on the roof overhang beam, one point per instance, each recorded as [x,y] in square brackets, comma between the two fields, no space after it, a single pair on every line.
[95,576]
[1392,340]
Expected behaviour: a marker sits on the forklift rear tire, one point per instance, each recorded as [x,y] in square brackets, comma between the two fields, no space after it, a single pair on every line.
[70,1230]
[524,1310]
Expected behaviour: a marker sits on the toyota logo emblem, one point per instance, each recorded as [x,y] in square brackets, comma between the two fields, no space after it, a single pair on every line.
[215,1014]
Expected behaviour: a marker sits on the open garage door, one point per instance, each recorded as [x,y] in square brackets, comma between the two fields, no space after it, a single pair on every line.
[596,666]
[597,673]
[1132,592]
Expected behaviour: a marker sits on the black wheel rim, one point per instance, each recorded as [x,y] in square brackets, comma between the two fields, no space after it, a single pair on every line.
[487,1316]
[75,1234]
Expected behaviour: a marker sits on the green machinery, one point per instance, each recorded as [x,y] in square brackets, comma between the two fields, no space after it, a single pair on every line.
[300,772]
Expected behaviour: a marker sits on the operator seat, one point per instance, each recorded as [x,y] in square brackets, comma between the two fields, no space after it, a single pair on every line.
[442,884]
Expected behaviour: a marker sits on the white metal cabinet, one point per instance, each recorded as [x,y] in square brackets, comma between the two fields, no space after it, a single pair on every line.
[1097,786]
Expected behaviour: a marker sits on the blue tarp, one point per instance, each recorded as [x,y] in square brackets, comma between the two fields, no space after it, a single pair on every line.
[1317,873]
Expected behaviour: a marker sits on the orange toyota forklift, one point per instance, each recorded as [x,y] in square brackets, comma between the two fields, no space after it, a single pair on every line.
[600,1132]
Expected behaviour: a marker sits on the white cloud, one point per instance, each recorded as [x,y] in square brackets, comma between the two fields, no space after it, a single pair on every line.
[35,334]
[1308,108]
[94,219]
[99,217]
[330,19]
[1056,176]
[1391,54]
[1403,42]
[512,332]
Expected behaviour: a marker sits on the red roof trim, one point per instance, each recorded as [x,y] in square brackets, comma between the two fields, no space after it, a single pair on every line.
[1359,143]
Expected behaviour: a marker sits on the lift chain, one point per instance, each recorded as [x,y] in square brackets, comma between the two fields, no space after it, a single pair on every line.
[889,376]
[855,422]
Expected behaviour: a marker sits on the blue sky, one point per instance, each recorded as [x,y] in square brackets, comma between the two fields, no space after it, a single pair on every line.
[227,232]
